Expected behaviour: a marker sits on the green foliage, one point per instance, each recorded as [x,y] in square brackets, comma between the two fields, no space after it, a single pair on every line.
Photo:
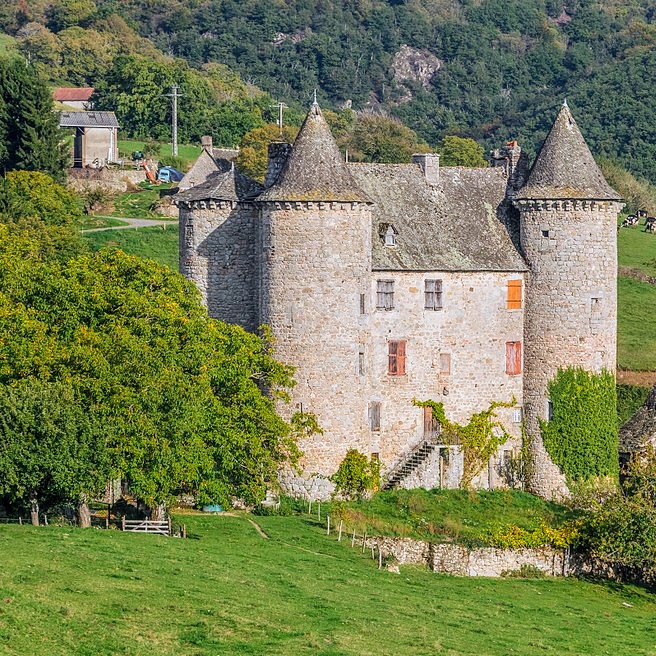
[253,148]
[30,138]
[524,572]
[33,203]
[582,436]
[177,394]
[382,139]
[67,13]
[461,151]
[629,399]
[174,161]
[515,537]
[480,438]
[638,194]
[151,149]
[356,476]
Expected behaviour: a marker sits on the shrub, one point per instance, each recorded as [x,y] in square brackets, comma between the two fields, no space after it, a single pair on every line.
[174,161]
[511,536]
[357,475]
[151,149]
[581,437]
[526,571]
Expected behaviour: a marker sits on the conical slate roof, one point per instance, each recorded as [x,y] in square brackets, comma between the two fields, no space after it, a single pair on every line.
[314,170]
[225,184]
[640,430]
[565,168]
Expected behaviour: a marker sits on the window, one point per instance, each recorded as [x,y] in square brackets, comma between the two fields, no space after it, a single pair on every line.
[361,363]
[385,295]
[549,410]
[396,358]
[390,236]
[514,295]
[433,295]
[362,307]
[445,363]
[431,425]
[546,234]
[513,358]
[374,415]
[517,416]
[595,305]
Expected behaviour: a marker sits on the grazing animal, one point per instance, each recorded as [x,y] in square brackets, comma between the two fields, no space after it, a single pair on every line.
[650,225]
[642,214]
[629,222]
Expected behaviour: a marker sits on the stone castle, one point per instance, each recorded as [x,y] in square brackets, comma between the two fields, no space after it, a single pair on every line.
[385,283]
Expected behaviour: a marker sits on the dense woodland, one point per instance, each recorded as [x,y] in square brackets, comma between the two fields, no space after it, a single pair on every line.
[502,66]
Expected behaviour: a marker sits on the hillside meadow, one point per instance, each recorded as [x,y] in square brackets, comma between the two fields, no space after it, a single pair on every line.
[228,590]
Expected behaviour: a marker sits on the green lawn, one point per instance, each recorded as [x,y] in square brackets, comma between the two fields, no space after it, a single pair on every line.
[229,591]
[187,152]
[138,204]
[637,249]
[159,243]
[636,320]
[448,515]
[90,221]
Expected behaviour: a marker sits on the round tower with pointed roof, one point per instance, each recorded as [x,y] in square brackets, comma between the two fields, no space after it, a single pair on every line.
[568,232]
[314,274]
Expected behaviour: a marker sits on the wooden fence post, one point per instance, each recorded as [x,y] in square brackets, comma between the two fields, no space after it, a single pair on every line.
[328,525]
[20,520]
[184,531]
[319,510]
[380,558]
[123,523]
[339,538]
[170,527]
[364,541]
[353,539]
[45,520]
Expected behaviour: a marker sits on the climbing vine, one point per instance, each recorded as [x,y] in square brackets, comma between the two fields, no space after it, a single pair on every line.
[479,439]
[581,436]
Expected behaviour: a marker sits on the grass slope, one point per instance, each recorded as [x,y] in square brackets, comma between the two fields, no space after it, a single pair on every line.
[188,153]
[637,249]
[89,221]
[158,243]
[636,319]
[447,515]
[229,591]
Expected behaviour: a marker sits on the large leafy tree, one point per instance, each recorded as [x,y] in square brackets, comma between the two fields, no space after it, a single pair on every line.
[29,129]
[179,396]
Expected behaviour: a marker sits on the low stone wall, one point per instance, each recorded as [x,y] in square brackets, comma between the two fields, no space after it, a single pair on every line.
[112,180]
[311,488]
[462,561]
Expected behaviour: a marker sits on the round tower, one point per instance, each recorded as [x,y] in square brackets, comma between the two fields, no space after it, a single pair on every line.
[568,232]
[314,274]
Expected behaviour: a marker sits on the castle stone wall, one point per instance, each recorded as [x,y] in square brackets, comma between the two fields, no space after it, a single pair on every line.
[217,252]
[315,262]
[472,328]
[571,308]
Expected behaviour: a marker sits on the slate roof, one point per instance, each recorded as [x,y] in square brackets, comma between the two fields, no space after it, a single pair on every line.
[88,120]
[464,224]
[63,94]
[314,170]
[640,430]
[226,183]
[564,168]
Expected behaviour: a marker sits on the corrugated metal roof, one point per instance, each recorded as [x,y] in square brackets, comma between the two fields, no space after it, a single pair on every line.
[88,120]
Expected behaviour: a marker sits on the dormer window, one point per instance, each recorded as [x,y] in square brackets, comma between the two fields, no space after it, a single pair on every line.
[389,235]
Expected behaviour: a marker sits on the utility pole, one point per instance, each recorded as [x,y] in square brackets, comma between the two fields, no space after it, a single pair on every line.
[174,95]
[280,106]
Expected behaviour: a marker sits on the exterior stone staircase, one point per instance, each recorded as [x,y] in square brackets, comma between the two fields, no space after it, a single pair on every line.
[414,459]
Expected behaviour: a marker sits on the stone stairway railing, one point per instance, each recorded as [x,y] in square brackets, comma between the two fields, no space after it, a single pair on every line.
[412,460]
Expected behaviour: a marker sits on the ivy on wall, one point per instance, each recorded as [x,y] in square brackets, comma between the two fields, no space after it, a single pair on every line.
[581,436]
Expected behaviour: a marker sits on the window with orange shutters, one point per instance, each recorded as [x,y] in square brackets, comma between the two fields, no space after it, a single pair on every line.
[396,358]
[513,358]
[514,294]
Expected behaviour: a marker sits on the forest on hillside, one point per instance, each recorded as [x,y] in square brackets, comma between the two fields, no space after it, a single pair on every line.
[489,69]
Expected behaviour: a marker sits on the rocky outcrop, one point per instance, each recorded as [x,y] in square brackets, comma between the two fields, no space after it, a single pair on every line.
[413,65]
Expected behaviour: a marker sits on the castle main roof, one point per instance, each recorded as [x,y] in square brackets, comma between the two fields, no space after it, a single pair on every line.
[564,168]
[314,170]
[463,224]
[226,183]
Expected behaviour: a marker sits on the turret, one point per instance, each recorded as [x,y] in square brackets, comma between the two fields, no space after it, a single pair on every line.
[314,272]
[217,243]
[568,218]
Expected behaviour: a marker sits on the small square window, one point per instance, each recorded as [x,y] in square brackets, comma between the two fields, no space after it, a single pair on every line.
[433,295]
[549,410]
[445,363]
[362,303]
[361,363]
[385,295]
[517,416]
[546,234]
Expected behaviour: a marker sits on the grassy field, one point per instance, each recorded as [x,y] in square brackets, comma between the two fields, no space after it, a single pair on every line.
[227,590]
[159,243]
[187,152]
[447,515]
[637,249]
[636,347]
[90,221]
[137,204]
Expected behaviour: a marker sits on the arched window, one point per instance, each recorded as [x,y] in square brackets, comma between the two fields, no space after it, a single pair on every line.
[390,236]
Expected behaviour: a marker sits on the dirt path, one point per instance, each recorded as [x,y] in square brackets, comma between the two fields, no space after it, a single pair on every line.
[134,223]
[644,378]
[258,528]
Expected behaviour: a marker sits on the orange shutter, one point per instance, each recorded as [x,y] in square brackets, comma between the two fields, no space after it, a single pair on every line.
[514,294]
[401,359]
[513,358]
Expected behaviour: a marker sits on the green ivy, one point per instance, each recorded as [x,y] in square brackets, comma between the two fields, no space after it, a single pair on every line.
[581,438]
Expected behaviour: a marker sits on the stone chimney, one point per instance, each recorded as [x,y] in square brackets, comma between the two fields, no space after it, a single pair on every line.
[513,162]
[278,153]
[206,143]
[430,165]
